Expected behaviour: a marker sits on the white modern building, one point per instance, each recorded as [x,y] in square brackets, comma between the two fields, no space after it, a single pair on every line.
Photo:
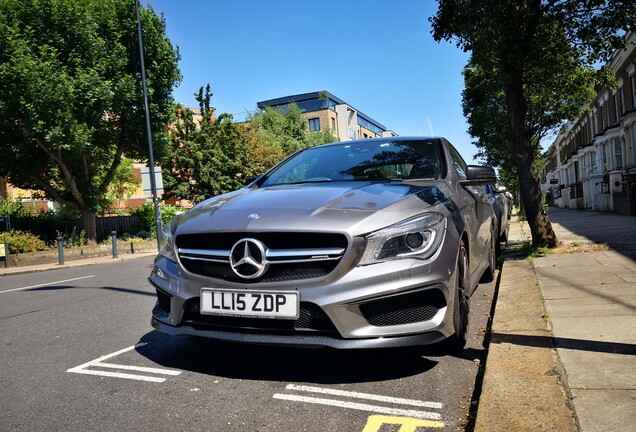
[325,111]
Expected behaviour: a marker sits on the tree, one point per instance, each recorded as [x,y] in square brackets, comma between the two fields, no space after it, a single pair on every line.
[484,105]
[124,183]
[206,156]
[531,58]
[277,133]
[285,129]
[71,103]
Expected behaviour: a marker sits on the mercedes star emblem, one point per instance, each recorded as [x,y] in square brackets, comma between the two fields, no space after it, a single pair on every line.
[248,258]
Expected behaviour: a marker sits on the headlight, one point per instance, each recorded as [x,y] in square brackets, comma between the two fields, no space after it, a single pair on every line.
[166,246]
[418,238]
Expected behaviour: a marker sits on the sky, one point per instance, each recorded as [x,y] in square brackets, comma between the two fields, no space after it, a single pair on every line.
[377,56]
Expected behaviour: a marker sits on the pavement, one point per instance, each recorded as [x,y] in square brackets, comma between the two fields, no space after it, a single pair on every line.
[562,353]
[562,349]
[11,270]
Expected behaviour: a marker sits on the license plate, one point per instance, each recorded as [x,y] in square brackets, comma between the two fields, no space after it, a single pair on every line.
[261,304]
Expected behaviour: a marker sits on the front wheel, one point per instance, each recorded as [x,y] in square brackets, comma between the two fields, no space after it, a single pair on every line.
[489,274]
[460,304]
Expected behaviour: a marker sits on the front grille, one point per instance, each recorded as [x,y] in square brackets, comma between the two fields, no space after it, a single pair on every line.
[403,309]
[312,319]
[274,240]
[289,256]
[288,272]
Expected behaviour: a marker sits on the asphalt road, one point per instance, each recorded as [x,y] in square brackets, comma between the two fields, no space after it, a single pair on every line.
[78,354]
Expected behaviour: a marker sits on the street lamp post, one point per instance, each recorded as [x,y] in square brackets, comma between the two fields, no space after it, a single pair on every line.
[151,158]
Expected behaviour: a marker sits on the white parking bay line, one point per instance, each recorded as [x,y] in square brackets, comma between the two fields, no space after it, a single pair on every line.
[393,411]
[47,284]
[118,375]
[361,407]
[99,363]
[140,369]
[367,396]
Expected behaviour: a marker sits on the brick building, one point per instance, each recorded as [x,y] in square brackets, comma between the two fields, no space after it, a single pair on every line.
[592,164]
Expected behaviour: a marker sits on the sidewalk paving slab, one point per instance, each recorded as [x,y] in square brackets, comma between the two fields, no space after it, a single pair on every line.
[589,302]
[522,388]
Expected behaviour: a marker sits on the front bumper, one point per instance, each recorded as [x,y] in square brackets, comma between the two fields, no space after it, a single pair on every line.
[306,341]
[397,303]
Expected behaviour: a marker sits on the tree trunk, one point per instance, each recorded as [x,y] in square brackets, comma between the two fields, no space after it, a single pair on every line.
[90,225]
[531,198]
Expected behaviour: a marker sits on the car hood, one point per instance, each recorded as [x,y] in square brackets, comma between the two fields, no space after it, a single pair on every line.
[353,207]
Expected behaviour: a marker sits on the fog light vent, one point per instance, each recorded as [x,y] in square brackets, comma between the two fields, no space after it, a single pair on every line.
[403,309]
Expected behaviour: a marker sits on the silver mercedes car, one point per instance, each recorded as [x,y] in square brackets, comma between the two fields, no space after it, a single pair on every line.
[357,244]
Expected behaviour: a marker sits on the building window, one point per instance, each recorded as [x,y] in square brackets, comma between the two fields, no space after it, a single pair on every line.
[576,172]
[616,114]
[622,93]
[604,156]
[333,124]
[632,80]
[593,162]
[618,155]
[353,134]
[314,124]
[602,117]
[583,170]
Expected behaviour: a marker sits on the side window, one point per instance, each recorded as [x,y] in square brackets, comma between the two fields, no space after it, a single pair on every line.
[458,163]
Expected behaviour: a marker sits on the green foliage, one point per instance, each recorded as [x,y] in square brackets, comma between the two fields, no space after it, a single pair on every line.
[76,238]
[320,137]
[168,212]
[147,221]
[209,156]
[15,208]
[124,183]
[22,242]
[206,156]
[276,133]
[286,129]
[146,215]
[71,103]
[548,107]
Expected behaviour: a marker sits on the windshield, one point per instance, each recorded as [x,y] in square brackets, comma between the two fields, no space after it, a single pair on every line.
[361,161]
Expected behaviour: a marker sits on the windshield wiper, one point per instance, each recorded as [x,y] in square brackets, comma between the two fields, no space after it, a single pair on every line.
[311,180]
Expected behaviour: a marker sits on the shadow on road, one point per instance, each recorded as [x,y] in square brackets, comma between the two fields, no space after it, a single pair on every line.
[116,289]
[320,366]
[566,343]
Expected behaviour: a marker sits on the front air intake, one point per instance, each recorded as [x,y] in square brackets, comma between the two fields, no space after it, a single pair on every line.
[403,309]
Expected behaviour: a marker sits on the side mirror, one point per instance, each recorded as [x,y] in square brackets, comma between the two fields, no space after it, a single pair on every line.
[478,175]
[250,180]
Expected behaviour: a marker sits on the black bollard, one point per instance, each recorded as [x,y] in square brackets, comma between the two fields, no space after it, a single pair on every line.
[6,255]
[60,249]
[113,236]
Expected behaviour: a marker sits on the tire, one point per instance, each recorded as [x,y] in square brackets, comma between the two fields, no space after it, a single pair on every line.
[460,306]
[489,274]
[503,238]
